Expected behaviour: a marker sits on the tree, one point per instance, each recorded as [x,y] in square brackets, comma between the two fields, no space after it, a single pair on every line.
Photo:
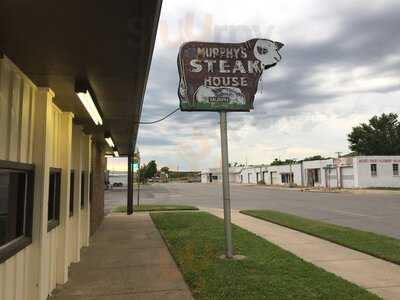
[381,136]
[315,157]
[151,169]
[165,170]
[278,162]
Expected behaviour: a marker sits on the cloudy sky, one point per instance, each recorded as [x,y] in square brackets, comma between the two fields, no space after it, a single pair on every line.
[340,66]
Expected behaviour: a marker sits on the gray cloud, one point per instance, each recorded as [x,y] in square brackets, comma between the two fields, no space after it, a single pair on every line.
[364,39]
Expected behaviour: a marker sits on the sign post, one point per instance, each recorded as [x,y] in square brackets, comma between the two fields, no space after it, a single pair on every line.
[223,77]
[225,185]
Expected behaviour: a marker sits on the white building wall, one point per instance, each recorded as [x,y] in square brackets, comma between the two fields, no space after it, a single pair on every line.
[35,131]
[284,169]
[317,164]
[384,177]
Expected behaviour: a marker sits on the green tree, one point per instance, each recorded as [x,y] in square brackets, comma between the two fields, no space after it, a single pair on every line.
[278,162]
[165,170]
[151,169]
[315,157]
[381,136]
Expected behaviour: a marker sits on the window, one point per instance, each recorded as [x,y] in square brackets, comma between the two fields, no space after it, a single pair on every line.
[71,193]
[287,177]
[83,189]
[395,169]
[373,170]
[16,202]
[53,214]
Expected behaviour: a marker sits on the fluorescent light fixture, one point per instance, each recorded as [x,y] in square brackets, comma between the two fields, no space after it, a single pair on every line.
[110,142]
[115,151]
[90,106]
[109,139]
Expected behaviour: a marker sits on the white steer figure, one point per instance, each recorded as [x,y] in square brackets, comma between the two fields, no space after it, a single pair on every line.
[209,94]
[266,51]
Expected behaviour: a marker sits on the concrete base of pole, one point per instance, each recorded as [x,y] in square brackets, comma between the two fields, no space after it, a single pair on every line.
[234,257]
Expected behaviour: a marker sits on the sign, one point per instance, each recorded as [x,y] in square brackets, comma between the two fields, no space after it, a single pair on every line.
[222,76]
[135,167]
[343,161]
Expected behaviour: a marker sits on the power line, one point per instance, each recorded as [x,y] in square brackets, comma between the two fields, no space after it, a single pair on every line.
[162,119]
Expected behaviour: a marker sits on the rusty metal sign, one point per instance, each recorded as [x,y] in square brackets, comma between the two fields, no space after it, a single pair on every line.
[221,76]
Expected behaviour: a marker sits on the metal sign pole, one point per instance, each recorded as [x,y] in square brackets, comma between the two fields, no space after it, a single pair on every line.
[129,205]
[225,186]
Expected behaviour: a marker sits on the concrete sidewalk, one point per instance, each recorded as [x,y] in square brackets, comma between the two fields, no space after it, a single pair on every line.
[378,276]
[127,259]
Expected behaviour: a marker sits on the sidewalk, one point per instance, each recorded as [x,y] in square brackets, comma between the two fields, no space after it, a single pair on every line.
[127,259]
[378,276]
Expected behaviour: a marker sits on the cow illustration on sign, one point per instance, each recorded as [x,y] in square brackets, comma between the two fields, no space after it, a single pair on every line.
[223,77]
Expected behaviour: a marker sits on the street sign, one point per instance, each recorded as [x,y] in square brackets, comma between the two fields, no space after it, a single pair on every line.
[222,76]
[135,166]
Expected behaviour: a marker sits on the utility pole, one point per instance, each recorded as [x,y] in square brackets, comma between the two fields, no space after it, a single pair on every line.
[338,153]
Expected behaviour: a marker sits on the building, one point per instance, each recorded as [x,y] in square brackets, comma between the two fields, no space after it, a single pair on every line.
[72,80]
[215,175]
[345,172]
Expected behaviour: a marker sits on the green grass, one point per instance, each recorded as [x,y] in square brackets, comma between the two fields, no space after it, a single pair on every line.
[374,244]
[196,240]
[154,207]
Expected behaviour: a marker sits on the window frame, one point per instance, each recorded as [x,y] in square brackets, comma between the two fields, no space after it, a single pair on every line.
[374,173]
[71,193]
[395,169]
[83,180]
[55,221]
[13,247]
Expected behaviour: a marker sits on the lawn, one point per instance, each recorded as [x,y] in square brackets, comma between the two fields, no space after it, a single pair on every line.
[154,207]
[374,244]
[196,240]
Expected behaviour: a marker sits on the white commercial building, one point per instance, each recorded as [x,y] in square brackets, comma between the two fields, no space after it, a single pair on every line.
[345,172]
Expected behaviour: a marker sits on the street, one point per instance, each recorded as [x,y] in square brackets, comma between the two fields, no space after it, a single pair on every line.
[371,211]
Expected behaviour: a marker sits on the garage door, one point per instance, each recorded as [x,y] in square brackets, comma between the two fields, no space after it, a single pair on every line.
[347,177]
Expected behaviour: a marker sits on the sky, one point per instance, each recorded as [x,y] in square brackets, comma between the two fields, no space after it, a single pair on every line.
[340,66]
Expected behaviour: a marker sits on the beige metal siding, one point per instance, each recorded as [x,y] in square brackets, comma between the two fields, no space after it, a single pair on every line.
[34,271]
[17,95]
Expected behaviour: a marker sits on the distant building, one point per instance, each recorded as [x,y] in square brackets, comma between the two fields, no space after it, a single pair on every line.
[345,172]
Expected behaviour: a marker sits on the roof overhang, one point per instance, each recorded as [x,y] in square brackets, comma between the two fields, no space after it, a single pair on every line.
[108,43]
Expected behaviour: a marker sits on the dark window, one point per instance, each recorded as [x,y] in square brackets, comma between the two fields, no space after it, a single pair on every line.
[53,214]
[287,177]
[83,189]
[396,169]
[16,202]
[373,170]
[71,193]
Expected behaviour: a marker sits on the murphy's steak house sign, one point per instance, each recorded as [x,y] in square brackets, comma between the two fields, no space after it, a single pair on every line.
[219,76]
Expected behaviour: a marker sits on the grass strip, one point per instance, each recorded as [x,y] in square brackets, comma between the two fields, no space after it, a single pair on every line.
[380,246]
[196,240]
[154,207]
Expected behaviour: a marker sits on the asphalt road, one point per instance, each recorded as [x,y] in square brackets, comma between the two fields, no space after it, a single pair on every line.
[372,211]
